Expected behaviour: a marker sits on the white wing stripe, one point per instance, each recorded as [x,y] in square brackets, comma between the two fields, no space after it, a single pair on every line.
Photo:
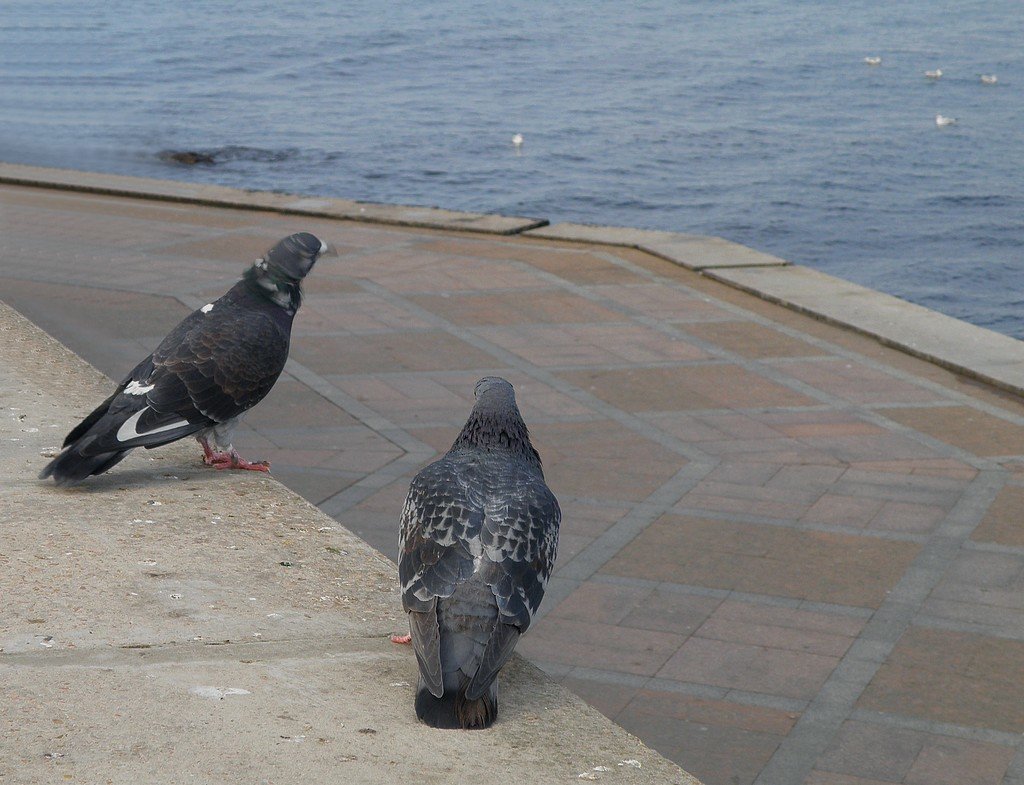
[129,429]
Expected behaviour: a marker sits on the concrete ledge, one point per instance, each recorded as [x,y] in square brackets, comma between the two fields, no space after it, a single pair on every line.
[220,196]
[694,252]
[951,343]
[169,623]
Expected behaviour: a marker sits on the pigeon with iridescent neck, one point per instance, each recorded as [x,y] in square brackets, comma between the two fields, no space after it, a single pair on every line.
[218,363]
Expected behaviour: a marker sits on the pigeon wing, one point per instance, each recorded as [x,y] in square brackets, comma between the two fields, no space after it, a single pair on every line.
[208,370]
[440,531]
[520,541]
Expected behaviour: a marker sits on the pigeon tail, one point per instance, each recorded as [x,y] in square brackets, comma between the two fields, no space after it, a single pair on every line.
[71,467]
[453,711]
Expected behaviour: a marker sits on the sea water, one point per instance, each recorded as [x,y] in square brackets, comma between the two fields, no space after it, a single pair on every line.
[758,121]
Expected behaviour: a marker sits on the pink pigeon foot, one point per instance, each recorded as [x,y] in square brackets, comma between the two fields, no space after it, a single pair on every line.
[230,459]
[401,639]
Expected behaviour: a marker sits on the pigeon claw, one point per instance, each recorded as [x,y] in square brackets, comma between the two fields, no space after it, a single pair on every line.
[232,460]
[401,639]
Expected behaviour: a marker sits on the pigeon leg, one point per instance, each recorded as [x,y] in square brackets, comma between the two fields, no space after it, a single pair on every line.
[400,639]
[230,459]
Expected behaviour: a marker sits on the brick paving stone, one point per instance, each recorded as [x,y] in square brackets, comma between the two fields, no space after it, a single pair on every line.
[954,677]
[393,351]
[1003,522]
[609,699]
[751,339]
[950,761]
[716,755]
[907,517]
[584,268]
[533,307]
[972,430]
[666,304]
[605,603]
[770,502]
[831,778]
[934,467]
[603,646]
[692,387]
[781,628]
[810,565]
[671,611]
[753,668]
[588,344]
[727,742]
[409,399]
[852,448]
[857,382]
[874,752]
[835,509]
[313,484]
[353,312]
[293,404]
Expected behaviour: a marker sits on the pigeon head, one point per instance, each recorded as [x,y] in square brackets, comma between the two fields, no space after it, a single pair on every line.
[494,387]
[294,256]
[278,274]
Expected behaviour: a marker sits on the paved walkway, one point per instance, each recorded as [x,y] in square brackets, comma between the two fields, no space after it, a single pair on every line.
[790,555]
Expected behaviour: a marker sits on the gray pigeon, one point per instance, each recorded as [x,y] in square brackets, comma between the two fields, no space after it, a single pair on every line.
[217,364]
[477,545]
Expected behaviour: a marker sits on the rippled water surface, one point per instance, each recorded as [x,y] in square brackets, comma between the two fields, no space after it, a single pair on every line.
[758,121]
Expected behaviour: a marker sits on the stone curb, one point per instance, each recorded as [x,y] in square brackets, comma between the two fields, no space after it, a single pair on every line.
[692,251]
[291,204]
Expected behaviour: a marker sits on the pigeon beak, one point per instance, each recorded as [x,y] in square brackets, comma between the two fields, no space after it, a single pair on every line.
[327,249]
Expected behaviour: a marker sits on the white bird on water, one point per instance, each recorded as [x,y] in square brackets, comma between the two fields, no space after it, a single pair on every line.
[989,78]
[941,120]
[936,74]
[517,140]
[873,60]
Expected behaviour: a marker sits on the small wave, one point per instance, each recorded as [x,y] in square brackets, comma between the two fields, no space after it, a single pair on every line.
[981,200]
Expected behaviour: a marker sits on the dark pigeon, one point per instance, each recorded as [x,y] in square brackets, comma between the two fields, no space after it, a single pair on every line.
[477,545]
[217,364]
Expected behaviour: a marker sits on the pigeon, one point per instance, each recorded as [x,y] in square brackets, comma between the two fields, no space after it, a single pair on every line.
[479,533]
[218,363]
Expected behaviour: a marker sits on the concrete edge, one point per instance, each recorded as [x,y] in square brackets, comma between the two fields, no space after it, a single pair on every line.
[950,343]
[290,204]
[692,251]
